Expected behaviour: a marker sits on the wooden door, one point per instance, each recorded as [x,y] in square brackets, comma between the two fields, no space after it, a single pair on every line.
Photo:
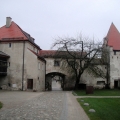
[30,84]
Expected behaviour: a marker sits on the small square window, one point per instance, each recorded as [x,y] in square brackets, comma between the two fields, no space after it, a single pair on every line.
[114,52]
[9,45]
[39,66]
[56,63]
[42,67]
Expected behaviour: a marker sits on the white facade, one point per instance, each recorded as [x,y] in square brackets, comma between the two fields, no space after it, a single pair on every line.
[114,71]
[23,66]
[86,78]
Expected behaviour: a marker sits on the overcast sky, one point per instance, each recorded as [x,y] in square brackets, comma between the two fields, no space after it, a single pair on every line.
[45,20]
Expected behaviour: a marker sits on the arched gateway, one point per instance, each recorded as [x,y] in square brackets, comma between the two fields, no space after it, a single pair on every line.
[54,81]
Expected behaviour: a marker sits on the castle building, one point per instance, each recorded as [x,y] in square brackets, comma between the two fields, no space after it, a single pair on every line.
[112,45]
[21,68]
[25,66]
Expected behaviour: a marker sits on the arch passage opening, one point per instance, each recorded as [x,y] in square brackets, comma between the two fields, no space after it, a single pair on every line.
[54,81]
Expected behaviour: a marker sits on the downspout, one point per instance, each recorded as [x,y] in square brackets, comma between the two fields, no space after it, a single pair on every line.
[23,65]
[45,76]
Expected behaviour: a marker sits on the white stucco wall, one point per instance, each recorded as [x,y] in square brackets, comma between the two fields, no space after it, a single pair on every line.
[89,79]
[85,78]
[114,67]
[15,61]
[31,70]
[51,68]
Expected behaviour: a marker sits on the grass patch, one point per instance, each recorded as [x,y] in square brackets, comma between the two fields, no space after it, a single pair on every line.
[1,105]
[106,108]
[103,92]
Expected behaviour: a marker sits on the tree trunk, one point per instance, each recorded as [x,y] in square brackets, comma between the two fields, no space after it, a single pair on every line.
[76,84]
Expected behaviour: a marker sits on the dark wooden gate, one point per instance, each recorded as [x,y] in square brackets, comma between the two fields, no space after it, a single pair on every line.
[30,84]
[115,84]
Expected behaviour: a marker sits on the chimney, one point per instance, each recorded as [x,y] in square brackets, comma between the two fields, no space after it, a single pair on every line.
[8,21]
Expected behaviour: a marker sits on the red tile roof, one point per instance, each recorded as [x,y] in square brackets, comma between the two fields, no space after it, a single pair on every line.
[58,54]
[47,53]
[113,37]
[14,31]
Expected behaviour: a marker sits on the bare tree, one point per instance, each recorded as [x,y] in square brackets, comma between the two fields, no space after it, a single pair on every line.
[80,54]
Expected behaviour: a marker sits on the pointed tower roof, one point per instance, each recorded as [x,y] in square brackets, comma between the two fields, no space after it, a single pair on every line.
[113,37]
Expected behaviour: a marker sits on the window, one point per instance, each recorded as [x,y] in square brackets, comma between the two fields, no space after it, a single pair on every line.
[100,82]
[114,52]
[9,45]
[39,66]
[56,63]
[42,67]
[71,63]
[9,64]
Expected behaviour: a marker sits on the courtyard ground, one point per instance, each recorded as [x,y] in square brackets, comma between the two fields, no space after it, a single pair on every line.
[105,102]
[54,105]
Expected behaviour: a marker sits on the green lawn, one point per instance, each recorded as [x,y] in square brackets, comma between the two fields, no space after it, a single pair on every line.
[103,92]
[0,105]
[106,108]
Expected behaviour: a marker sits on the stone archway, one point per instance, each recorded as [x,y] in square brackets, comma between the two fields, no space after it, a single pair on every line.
[54,78]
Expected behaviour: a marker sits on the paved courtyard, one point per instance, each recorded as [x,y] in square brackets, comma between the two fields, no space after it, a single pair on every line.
[54,105]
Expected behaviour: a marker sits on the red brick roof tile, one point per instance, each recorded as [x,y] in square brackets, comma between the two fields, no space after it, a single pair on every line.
[58,54]
[47,53]
[113,37]
[14,31]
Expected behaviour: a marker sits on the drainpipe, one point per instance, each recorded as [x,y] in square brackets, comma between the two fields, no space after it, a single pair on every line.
[23,65]
[45,76]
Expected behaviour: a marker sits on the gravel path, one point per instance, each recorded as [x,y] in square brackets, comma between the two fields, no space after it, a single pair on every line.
[55,105]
